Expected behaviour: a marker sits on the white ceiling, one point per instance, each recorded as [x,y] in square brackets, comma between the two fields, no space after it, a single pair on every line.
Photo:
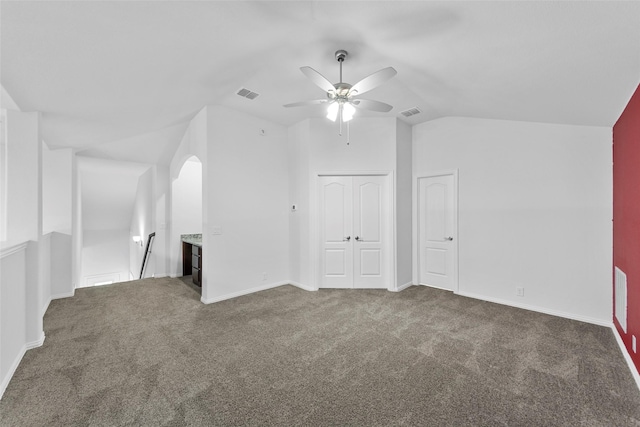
[120,80]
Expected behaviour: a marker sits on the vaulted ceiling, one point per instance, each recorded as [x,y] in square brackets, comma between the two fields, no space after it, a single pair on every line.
[121,80]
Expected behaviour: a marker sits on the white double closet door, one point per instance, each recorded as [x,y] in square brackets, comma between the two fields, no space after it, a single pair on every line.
[354,231]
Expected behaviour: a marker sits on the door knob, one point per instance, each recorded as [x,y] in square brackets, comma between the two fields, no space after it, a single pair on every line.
[358,239]
[346,239]
[448,238]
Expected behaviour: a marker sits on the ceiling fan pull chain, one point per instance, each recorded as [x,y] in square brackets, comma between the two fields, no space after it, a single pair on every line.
[348,132]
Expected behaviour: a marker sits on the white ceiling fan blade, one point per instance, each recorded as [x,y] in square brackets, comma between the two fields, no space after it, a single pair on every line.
[306,103]
[320,80]
[368,104]
[372,81]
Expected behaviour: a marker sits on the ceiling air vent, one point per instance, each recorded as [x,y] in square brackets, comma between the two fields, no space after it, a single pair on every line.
[411,112]
[247,93]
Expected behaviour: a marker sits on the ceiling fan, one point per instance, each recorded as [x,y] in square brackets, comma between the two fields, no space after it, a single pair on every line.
[343,98]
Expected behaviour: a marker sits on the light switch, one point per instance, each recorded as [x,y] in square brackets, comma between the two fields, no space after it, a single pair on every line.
[216,231]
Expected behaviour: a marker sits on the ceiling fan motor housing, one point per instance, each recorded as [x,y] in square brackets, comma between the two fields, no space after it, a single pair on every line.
[341,92]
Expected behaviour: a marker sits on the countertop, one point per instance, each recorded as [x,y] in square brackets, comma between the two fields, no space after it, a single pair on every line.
[194,239]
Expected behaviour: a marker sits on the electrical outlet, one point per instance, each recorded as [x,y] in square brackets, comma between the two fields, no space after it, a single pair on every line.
[633,343]
[519,292]
[264,276]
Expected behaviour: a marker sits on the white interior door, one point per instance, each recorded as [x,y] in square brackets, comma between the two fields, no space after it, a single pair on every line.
[354,216]
[437,225]
[336,212]
[370,229]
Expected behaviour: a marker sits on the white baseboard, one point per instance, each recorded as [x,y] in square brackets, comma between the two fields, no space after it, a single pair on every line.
[402,287]
[442,288]
[557,313]
[63,295]
[12,369]
[243,292]
[627,357]
[45,307]
[36,343]
[275,285]
[301,286]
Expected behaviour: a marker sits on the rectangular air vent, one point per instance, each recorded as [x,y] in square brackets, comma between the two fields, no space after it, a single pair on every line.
[411,112]
[247,93]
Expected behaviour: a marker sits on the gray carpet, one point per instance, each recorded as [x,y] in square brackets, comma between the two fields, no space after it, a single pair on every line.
[149,353]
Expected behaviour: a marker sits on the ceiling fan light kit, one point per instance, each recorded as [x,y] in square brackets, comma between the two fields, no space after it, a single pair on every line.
[342,97]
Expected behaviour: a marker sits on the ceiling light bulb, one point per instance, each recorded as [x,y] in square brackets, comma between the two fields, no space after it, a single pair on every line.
[332,111]
[347,111]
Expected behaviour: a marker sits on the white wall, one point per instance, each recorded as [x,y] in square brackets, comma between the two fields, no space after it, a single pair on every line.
[23,253]
[61,266]
[534,210]
[404,196]
[58,169]
[24,189]
[186,207]
[44,270]
[316,147]
[3,175]
[57,176]
[298,141]
[372,146]
[12,311]
[141,224]
[160,249]
[76,224]
[105,256]
[248,198]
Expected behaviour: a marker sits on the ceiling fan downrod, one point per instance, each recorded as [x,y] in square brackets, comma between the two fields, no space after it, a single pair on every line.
[341,55]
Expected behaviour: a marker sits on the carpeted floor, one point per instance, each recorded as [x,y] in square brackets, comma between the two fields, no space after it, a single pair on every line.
[149,353]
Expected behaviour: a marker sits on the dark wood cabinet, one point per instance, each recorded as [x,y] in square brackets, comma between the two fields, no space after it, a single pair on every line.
[196,265]
[192,262]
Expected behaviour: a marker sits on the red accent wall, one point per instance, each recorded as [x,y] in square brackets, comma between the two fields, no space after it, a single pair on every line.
[626,215]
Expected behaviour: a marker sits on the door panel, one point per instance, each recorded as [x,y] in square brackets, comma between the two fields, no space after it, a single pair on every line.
[436,224]
[436,209]
[336,210]
[436,261]
[370,262]
[336,262]
[369,211]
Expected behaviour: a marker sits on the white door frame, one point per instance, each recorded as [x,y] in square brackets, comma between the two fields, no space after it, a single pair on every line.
[416,226]
[315,226]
